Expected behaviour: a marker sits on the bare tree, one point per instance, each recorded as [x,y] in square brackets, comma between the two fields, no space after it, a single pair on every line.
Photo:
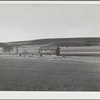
[7,48]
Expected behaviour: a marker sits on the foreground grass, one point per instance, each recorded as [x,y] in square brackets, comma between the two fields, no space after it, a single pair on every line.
[48,75]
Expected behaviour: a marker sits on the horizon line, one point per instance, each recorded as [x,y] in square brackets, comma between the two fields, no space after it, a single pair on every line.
[45,39]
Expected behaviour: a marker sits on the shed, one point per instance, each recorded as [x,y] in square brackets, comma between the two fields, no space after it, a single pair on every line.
[49,50]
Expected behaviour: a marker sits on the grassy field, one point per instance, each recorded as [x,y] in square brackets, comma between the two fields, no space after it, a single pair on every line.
[81,49]
[55,74]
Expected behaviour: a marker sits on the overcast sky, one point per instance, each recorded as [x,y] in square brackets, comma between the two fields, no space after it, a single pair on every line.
[36,21]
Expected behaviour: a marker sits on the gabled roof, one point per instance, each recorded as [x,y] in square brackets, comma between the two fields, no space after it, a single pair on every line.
[48,48]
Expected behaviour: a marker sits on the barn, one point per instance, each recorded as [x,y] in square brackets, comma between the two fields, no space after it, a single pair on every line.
[49,50]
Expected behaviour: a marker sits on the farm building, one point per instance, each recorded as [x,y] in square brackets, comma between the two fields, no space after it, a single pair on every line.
[49,50]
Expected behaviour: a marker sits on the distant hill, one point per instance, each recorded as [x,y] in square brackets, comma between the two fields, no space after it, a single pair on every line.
[59,42]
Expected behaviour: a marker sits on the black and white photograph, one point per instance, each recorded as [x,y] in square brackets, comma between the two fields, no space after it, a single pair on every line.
[49,47]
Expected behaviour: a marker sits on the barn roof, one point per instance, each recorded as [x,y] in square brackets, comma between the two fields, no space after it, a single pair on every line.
[48,48]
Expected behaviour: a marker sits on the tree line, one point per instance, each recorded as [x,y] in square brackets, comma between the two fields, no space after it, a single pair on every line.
[7,48]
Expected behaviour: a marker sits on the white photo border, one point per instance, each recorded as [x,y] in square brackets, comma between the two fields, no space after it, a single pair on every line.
[53,94]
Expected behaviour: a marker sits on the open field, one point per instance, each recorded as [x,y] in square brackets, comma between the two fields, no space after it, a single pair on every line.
[50,74]
[81,49]
[80,53]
